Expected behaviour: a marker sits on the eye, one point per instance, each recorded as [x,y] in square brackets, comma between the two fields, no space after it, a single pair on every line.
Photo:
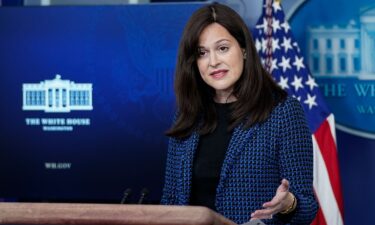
[223,48]
[201,52]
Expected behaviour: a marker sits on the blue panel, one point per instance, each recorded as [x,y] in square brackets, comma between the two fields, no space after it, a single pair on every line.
[127,54]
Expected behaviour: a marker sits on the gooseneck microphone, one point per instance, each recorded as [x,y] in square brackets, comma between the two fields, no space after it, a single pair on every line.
[143,195]
[127,194]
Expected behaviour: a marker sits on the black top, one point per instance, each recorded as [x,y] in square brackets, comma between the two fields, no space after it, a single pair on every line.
[208,160]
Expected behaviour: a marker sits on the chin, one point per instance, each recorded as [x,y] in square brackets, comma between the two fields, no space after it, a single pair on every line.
[222,88]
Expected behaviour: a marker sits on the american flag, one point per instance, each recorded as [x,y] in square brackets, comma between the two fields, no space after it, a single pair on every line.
[281,56]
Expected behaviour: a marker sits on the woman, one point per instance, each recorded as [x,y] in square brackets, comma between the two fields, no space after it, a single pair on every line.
[238,144]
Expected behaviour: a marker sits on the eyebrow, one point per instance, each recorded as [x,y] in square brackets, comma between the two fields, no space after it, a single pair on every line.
[216,42]
[221,40]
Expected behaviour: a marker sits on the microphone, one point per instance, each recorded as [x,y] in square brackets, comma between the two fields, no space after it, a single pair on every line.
[144,193]
[127,193]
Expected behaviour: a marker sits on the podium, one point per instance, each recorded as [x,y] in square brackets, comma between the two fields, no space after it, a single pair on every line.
[100,214]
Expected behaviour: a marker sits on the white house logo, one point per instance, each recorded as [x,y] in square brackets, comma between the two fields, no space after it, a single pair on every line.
[342,59]
[57,96]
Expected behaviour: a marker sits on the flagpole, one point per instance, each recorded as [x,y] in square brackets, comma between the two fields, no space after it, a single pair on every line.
[268,63]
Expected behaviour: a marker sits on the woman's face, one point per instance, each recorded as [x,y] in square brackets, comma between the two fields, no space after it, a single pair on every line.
[220,60]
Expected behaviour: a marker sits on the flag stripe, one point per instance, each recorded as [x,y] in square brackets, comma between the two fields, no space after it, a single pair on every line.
[326,143]
[324,191]
[319,219]
[331,122]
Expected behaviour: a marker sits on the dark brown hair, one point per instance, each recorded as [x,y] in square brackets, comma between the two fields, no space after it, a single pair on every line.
[256,92]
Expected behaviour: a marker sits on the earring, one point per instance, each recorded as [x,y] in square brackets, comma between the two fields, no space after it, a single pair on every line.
[244,55]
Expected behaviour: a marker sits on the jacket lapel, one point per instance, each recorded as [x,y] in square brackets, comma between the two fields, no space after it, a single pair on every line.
[236,145]
[187,166]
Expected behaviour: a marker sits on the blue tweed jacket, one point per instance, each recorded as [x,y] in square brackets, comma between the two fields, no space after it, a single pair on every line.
[256,160]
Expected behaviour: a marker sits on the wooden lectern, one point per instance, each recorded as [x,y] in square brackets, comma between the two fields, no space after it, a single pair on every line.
[98,214]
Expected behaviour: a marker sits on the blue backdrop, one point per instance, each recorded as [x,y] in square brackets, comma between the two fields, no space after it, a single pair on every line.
[129,63]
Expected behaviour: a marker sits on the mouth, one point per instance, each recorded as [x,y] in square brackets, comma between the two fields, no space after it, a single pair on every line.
[218,73]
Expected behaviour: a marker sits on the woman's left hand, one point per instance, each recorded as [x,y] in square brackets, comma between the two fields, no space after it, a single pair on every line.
[280,202]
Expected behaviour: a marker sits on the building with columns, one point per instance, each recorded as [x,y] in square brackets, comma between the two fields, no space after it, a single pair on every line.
[57,95]
[347,51]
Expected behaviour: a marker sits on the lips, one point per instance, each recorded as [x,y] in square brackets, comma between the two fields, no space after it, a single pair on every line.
[219,73]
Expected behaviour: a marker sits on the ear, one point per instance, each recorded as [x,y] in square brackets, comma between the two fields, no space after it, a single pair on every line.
[244,53]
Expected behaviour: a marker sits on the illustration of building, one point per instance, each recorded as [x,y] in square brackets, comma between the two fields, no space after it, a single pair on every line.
[57,95]
[344,51]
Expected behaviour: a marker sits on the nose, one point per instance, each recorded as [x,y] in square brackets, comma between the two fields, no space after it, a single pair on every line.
[214,61]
